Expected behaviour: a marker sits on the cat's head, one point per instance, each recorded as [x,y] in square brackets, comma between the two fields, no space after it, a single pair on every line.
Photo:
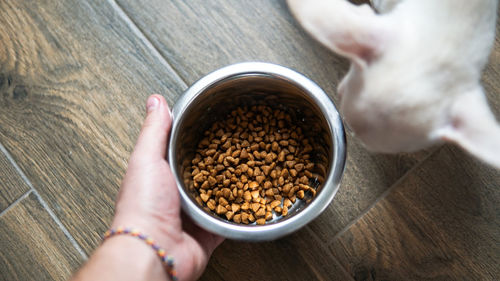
[399,94]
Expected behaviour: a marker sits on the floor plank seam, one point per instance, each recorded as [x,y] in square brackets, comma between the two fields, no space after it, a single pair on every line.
[328,252]
[143,37]
[13,204]
[43,203]
[383,195]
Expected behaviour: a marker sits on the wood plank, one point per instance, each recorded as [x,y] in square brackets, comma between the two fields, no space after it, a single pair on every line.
[77,77]
[367,176]
[220,33]
[298,256]
[33,247]
[442,222]
[12,186]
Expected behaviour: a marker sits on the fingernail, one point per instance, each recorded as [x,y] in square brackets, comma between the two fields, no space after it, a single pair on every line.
[152,103]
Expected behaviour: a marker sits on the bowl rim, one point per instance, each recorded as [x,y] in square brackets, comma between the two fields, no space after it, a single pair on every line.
[320,202]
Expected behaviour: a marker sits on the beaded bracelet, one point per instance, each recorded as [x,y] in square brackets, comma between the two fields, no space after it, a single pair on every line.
[168,261]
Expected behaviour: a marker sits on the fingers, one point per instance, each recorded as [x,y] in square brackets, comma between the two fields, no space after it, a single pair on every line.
[152,142]
[207,240]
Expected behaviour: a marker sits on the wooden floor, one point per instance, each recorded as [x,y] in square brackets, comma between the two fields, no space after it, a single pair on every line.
[74,76]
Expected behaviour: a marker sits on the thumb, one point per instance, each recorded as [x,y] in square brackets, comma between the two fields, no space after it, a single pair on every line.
[152,142]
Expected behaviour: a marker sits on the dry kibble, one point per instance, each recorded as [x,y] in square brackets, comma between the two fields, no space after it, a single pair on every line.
[205,185]
[254,162]
[300,194]
[229,215]
[198,178]
[247,196]
[255,206]
[199,200]
[237,218]
[211,205]
[251,217]
[284,211]
[235,207]
[261,212]
[255,194]
[269,216]
[244,218]
[299,167]
[260,179]
[245,206]
[275,203]
[204,197]
[223,201]
[269,192]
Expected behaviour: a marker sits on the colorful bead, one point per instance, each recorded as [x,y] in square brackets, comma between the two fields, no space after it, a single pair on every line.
[166,260]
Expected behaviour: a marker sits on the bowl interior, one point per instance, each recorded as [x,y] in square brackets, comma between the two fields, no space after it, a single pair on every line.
[216,101]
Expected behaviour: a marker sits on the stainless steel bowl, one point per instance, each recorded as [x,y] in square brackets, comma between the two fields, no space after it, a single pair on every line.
[211,97]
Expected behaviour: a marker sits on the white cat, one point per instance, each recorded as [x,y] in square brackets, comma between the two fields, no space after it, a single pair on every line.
[415,70]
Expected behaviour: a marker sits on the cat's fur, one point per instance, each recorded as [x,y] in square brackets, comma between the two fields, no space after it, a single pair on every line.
[415,70]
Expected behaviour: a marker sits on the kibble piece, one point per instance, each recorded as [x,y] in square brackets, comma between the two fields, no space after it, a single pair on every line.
[299,167]
[244,218]
[281,156]
[261,221]
[266,170]
[284,211]
[281,181]
[237,218]
[199,200]
[251,218]
[260,179]
[235,207]
[260,212]
[244,154]
[269,192]
[211,205]
[245,206]
[255,207]
[308,174]
[275,203]
[198,178]
[304,180]
[269,216]
[205,185]
[247,196]
[313,191]
[268,185]
[204,197]
[300,194]
[223,201]
[229,215]
[220,210]
[226,192]
[255,194]
[286,188]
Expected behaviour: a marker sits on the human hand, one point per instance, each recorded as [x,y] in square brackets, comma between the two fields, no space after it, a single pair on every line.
[149,200]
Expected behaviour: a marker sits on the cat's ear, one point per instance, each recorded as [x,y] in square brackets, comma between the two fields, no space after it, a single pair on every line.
[355,32]
[473,127]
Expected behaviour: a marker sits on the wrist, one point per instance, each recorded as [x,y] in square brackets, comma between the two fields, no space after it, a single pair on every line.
[135,257]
